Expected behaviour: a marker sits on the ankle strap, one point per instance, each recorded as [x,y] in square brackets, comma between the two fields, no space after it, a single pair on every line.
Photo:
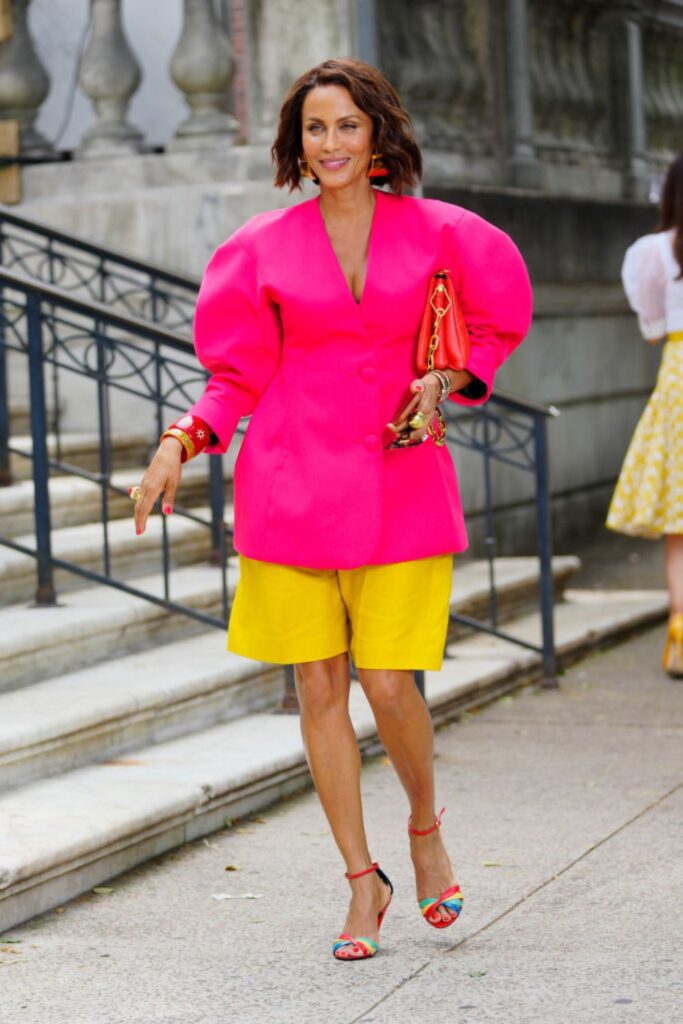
[426,831]
[366,871]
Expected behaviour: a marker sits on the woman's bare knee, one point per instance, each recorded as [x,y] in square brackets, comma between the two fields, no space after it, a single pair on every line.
[390,692]
[323,686]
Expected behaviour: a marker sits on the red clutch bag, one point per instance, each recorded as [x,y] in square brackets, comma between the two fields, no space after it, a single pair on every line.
[443,341]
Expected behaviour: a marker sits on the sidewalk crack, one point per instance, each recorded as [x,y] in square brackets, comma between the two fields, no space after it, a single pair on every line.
[577,860]
[523,899]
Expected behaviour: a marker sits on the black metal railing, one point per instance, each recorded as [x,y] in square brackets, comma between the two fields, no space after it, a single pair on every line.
[511,431]
[55,334]
[121,326]
[97,273]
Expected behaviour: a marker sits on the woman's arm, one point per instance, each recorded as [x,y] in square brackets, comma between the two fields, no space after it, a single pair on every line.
[644,277]
[494,290]
[237,338]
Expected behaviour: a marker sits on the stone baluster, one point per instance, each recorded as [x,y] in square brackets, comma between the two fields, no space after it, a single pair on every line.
[523,165]
[24,82]
[637,181]
[622,20]
[202,67]
[109,75]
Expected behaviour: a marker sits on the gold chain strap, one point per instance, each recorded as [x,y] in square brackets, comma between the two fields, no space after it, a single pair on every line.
[437,429]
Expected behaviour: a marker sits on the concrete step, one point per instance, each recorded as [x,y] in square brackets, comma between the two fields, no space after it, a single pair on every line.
[99,622]
[83,450]
[516,582]
[131,556]
[20,415]
[145,698]
[61,836]
[68,720]
[74,500]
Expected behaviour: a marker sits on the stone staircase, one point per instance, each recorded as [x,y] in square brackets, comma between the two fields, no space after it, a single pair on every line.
[126,729]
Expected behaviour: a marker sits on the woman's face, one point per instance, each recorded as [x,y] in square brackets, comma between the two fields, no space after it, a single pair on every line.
[336,136]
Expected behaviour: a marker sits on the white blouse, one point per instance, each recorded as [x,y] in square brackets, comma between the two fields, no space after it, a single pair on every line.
[653,287]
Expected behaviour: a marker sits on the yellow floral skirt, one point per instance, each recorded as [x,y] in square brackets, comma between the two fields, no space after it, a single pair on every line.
[648,498]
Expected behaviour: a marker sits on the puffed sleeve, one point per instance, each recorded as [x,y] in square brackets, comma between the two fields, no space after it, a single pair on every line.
[237,338]
[643,275]
[495,295]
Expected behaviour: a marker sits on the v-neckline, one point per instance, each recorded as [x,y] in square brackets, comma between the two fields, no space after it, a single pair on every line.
[357,303]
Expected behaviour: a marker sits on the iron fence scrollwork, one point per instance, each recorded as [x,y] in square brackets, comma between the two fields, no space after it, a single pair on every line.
[124,325]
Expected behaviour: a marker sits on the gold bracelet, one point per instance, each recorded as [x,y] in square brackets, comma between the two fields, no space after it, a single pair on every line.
[185,440]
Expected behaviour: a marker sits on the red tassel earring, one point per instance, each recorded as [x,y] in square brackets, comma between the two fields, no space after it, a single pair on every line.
[377,168]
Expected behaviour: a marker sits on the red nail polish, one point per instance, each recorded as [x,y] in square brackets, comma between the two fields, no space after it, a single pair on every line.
[419,387]
[138,532]
[167,510]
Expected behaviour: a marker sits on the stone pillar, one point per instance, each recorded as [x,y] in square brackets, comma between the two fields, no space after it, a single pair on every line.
[202,67]
[286,38]
[366,31]
[623,23]
[110,75]
[24,82]
[637,175]
[523,166]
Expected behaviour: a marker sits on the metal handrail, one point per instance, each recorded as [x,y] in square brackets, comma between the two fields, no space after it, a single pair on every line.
[479,428]
[97,273]
[526,405]
[175,277]
[525,447]
[137,325]
[167,274]
[46,325]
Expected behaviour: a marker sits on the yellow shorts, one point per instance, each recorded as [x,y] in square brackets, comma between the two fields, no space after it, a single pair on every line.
[388,616]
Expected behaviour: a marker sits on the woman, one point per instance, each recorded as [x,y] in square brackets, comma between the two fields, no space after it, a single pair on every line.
[648,499]
[307,321]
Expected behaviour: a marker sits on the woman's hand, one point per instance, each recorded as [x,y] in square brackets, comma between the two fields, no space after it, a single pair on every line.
[162,476]
[426,391]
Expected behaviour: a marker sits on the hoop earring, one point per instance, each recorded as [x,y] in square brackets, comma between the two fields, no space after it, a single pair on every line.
[377,168]
[306,172]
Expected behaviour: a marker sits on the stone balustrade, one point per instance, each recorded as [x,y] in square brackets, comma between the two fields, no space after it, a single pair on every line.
[558,95]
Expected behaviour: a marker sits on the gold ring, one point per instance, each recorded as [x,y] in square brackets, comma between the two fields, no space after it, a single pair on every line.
[134,493]
[418,420]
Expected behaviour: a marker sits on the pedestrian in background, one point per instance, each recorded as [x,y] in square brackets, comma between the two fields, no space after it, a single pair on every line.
[648,499]
[347,511]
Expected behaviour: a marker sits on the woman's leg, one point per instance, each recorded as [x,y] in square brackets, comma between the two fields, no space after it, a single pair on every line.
[334,761]
[673,560]
[406,730]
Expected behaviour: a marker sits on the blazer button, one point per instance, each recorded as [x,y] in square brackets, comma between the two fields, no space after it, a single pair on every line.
[372,442]
[368,373]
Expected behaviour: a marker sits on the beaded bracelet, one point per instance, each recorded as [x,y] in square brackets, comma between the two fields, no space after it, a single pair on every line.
[193,434]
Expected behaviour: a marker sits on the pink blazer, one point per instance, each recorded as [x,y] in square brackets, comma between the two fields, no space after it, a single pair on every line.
[320,375]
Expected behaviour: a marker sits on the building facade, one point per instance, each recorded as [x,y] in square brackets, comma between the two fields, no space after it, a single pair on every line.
[553,118]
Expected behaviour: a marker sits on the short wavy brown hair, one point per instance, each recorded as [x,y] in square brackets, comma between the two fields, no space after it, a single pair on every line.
[671,207]
[376,97]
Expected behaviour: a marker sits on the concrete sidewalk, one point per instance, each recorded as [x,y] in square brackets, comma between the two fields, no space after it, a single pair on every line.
[565,823]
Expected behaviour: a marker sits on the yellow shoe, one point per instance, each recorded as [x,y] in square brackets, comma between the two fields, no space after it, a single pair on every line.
[673,652]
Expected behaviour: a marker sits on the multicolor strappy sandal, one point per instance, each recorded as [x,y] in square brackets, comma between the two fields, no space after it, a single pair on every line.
[366,947]
[450,898]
